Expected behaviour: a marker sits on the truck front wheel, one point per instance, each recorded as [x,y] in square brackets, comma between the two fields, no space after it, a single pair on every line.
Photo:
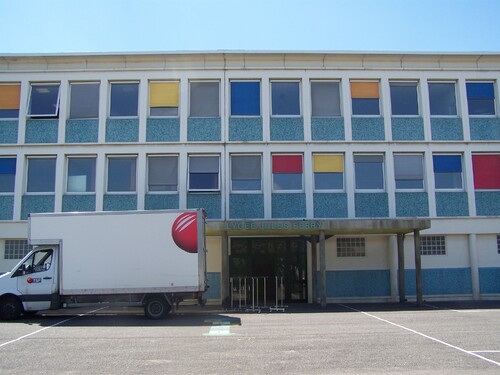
[10,308]
[156,307]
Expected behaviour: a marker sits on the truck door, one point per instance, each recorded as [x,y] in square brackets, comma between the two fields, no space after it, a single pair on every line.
[36,279]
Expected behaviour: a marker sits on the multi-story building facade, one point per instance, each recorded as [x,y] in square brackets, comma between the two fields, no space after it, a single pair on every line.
[326,169]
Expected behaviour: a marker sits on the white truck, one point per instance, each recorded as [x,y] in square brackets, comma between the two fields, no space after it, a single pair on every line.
[148,258]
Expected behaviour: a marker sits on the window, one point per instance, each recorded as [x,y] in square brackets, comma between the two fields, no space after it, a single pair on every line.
[81,175]
[325,98]
[44,100]
[404,101]
[9,100]
[365,98]
[203,172]
[7,175]
[409,171]
[447,171]
[245,98]
[287,172]
[204,99]
[328,172]
[432,245]
[486,171]
[285,98]
[124,99]
[246,172]
[16,249]
[498,243]
[164,99]
[442,99]
[369,172]
[121,174]
[481,98]
[38,261]
[163,173]
[350,247]
[84,100]
[41,175]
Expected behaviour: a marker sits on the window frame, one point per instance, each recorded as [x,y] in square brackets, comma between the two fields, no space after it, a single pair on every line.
[219,99]
[70,94]
[13,157]
[54,114]
[409,190]
[495,109]
[178,93]
[317,190]
[448,189]
[433,249]
[274,190]
[68,157]
[27,171]
[7,118]
[231,97]
[121,156]
[457,103]
[380,113]
[245,191]
[317,80]
[417,92]
[110,84]
[218,188]
[384,173]
[349,250]
[161,192]
[271,83]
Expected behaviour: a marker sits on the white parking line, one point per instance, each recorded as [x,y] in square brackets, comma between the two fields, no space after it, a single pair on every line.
[473,353]
[43,329]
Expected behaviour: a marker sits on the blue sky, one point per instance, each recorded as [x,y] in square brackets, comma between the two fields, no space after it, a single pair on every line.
[72,26]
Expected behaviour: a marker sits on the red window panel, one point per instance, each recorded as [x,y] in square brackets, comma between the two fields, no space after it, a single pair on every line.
[486,171]
[287,163]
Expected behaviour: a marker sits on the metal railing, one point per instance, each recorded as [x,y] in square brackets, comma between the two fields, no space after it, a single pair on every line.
[250,294]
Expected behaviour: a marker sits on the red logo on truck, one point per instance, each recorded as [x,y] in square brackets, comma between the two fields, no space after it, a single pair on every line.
[185,232]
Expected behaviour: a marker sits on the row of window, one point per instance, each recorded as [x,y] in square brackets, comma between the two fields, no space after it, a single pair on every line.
[246,172]
[245,98]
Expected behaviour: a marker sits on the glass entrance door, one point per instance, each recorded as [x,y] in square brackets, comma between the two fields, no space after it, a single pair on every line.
[283,258]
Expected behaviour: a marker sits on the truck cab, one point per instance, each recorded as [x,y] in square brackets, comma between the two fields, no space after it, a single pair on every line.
[31,284]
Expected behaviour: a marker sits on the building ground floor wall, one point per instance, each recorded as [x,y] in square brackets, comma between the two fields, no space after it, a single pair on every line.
[461,261]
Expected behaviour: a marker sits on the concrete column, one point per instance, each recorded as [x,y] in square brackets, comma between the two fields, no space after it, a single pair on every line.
[314,268]
[322,267]
[418,268]
[474,269]
[225,270]
[401,268]
[393,267]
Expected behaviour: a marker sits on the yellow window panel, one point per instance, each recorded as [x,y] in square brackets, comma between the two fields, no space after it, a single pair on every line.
[9,96]
[364,90]
[164,94]
[329,163]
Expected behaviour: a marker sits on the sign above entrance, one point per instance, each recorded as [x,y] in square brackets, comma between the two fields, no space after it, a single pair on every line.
[273,225]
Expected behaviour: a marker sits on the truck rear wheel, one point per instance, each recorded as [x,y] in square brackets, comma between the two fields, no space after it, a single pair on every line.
[10,308]
[156,307]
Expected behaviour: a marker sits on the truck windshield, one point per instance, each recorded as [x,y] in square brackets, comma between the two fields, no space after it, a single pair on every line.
[38,262]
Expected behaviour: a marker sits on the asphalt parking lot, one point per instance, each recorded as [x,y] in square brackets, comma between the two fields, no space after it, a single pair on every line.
[343,338]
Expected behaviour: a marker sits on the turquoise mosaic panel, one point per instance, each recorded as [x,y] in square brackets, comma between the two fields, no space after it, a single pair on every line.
[489,280]
[36,204]
[41,131]
[6,207]
[371,204]
[287,129]
[203,129]
[210,202]
[488,203]
[8,131]
[122,130]
[82,131]
[368,129]
[327,129]
[407,128]
[78,203]
[452,204]
[161,201]
[330,205]
[447,129]
[412,204]
[288,205]
[163,129]
[120,202]
[214,286]
[440,281]
[246,206]
[484,129]
[245,129]
[367,283]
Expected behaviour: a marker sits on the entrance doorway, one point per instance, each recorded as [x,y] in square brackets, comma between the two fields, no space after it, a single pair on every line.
[285,258]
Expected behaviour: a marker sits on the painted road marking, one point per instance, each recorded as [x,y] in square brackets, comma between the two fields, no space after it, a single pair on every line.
[473,353]
[219,328]
[52,326]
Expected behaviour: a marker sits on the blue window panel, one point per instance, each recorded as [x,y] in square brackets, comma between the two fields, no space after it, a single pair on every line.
[288,205]
[452,204]
[6,207]
[404,100]
[287,181]
[82,131]
[120,202]
[80,203]
[485,129]
[245,98]
[367,107]
[330,205]
[124,99]
[447,163]
[36,204]
[487,203]
[369,175]
[371,205]
[7,166]
[41,175]
[328,180]
[7,174]
[246,206]
[44,100]
[480,90]
[9,113]
[285,98]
